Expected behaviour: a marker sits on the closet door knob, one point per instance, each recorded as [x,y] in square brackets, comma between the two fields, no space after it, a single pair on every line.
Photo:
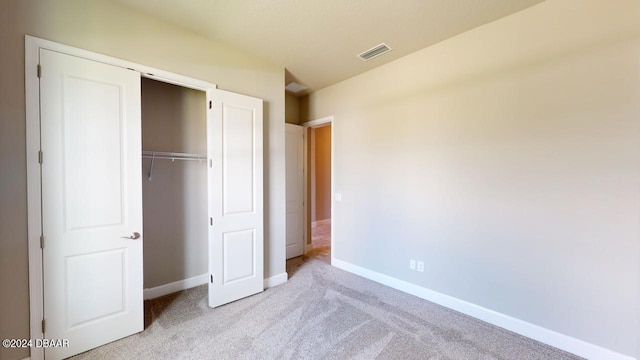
[136,235]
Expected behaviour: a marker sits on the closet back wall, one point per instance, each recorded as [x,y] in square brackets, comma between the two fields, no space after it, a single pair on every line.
[175,200]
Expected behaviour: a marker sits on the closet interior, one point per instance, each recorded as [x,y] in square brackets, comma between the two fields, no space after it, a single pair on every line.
[174,184]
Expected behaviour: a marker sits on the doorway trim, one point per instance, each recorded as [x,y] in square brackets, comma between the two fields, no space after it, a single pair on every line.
[34,195]
[327,120]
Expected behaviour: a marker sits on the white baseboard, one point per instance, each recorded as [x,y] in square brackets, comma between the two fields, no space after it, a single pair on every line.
[546,336]
[276,280]
[166,289]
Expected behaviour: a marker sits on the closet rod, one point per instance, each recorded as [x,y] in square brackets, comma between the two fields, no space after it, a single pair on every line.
[153,155]
[172,155]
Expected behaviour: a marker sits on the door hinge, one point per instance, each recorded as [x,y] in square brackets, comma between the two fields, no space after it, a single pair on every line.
[210,162]
[210,104]
[41,241]
[43,327]
[40,156]
[212,278]
[39,70]
[211,221]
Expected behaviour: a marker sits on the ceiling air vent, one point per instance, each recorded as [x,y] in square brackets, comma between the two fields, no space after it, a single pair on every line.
[294,87]
[374,51]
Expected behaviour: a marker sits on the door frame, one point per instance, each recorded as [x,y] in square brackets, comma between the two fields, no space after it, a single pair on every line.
[34,196]
[327,120]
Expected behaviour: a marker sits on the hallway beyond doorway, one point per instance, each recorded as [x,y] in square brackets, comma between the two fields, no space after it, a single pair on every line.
[321,241]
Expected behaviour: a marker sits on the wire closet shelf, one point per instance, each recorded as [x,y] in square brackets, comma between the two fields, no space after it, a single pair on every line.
[172,155]
[153,155]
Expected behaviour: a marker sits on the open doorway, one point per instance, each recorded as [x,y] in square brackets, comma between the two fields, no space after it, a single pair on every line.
[319,189]
[174,193]
[174,187]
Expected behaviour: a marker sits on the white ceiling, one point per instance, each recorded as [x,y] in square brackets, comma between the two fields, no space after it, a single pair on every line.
[317,40]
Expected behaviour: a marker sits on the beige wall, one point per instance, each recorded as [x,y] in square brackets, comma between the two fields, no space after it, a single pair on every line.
[292,109]
[110,28]
[508,160]
[322,173]
[175,200]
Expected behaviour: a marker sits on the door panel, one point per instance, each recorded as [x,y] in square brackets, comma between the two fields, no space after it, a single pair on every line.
[294,148]
[84,160]
[88,299]
[91,199]
[236,235]
[238,159]
[239,246]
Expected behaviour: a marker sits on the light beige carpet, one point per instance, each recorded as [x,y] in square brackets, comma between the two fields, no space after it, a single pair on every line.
[320,313]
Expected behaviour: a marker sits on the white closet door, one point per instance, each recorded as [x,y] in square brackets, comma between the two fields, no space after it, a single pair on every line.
[234,135]
[91,202]
[294,152]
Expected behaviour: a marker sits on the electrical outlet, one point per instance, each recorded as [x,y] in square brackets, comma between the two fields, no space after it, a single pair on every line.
[412,264]
[420,266]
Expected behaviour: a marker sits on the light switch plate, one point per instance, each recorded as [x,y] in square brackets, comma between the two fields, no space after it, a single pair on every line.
[412,264]
[338,196]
